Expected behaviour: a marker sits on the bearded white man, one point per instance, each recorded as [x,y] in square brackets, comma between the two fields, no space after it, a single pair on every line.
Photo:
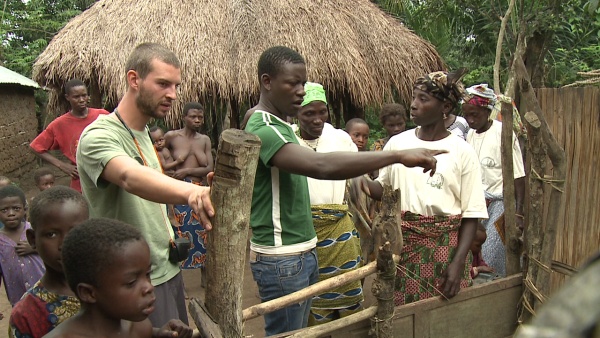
[122,178]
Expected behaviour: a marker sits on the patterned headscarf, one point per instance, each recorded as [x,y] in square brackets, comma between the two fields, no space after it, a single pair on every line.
[314,92]
[443,85]
[482,96]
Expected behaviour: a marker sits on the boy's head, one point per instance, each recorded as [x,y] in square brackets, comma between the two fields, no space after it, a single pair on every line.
[480,237]
[158,137]
[4,181]
[77,95]
[43,178]
[393,118]
[193,115]
[358,130]
[53,213]
[12,206]
[282,75]
[107,265]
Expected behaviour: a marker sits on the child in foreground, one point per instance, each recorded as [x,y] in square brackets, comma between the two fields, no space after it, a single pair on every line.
[53,213]
[107,265]
[167,161]
[43,178]
[20,266]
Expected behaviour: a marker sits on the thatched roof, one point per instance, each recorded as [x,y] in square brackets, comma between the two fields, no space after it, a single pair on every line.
[351,46]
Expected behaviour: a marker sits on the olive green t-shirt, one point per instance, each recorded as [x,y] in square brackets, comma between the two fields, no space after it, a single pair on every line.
[100,142]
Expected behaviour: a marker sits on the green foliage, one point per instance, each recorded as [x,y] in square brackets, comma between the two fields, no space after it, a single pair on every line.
[27,27]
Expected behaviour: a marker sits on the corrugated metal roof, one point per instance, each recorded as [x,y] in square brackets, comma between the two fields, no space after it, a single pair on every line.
[7,76]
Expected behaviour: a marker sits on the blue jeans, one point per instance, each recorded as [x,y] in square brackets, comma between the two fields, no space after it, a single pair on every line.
[278,276]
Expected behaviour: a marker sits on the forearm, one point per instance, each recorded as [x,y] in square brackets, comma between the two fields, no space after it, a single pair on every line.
[145,182]
[169,166]
[46,156]
[519,194]
[375,189]
[466,235]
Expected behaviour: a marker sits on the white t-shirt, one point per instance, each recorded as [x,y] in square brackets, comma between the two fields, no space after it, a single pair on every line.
[487,147]
[324,191]
[454,189]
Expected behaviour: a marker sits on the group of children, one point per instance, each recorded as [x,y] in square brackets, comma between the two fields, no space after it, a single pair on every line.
[84,277]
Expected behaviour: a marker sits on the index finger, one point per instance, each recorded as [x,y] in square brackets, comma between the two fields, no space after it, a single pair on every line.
[437,152]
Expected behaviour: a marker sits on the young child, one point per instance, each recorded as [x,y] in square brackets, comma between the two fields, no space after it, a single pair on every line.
[479,265]
[393,120]
[358,130]
[107,265]
[53,213]
[43,178]
[20,265]
[167,162]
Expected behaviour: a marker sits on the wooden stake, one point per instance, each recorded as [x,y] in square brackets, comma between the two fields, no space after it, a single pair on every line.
[511,233]
[207,327]
[383,290]
[231,194]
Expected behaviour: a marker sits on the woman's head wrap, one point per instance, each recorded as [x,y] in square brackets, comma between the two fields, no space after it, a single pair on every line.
[480,95]
[314,92]
[443,85]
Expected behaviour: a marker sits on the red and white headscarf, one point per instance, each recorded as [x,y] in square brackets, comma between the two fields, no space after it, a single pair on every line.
[480,95]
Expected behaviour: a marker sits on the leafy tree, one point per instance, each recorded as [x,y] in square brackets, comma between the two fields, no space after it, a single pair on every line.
[26,28]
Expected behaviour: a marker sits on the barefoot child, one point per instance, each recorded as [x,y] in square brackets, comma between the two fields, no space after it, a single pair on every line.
[54,212]
[43,178]
[358,130]
[107,265]
[20,265]
[167,161]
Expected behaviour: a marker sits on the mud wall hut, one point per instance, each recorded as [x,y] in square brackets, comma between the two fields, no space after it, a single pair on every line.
[18,123]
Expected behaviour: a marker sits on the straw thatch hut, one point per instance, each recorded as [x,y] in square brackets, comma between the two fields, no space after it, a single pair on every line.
[18,123]
[361,55]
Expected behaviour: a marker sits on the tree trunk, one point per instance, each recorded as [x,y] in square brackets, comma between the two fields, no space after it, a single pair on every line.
[557,156]
[511,235]
[231,194]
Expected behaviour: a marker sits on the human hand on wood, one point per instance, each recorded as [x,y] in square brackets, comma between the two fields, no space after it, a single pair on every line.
[200,202]
[450,282]
[420,158]
[173,328]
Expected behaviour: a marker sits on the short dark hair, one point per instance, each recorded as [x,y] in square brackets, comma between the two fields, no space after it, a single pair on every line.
[41,172]
[89,248]
[12,191]
[272,59]
[43,202]
[155,128]
[72,84]
[140,59]
[390,110]
[355,121]
[191,105]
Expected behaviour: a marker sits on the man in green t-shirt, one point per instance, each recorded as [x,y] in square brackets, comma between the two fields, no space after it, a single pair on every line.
[122,178]
[282,257]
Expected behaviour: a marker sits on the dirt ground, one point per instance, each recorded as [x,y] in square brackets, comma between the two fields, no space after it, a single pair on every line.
[252,329]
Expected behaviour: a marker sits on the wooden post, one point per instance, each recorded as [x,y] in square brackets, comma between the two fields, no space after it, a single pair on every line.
[385,225]
[231,194]
[558,158]
[511,234]
[383,290]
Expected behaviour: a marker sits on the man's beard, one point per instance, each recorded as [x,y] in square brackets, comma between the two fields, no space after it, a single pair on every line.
[145,104]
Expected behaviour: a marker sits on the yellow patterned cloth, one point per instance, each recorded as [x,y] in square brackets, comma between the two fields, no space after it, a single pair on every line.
[338,251]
